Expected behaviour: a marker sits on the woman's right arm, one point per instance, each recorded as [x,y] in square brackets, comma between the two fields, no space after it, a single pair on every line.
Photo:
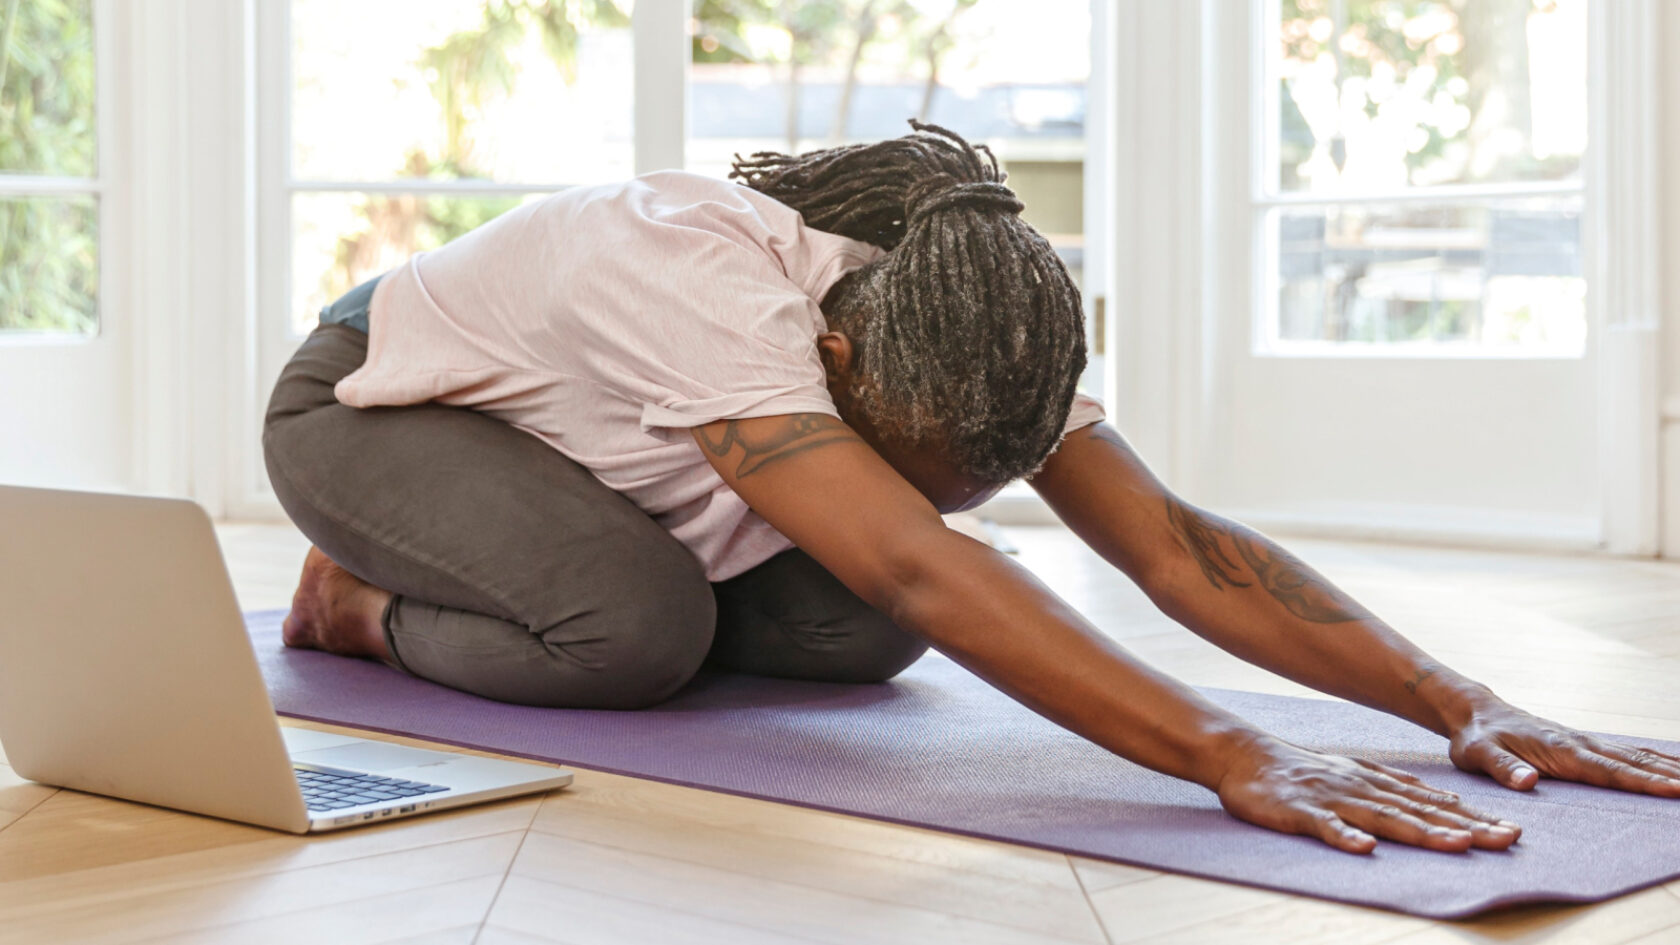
[818,483]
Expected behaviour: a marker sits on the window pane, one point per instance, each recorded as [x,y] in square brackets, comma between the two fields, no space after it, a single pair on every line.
[49,264]
[508,90]
[340,240]
[1503,275]
[1008,73]
[47,123]
[1386,94]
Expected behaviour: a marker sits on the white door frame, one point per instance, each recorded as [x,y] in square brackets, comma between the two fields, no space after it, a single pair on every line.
[1159,287]
[1623,222]
[191,237]
[1181,209]
[261,340]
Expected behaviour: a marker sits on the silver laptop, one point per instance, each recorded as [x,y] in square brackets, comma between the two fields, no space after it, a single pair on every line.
[125,669]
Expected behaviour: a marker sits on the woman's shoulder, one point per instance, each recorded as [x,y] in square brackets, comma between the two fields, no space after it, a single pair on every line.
[689,185]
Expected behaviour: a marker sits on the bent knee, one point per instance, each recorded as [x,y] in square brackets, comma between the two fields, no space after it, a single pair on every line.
[872,649]
[645,646]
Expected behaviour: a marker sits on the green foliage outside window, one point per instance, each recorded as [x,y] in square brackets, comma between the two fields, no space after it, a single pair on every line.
[472,66]
[466,69]
[49,265]
[833,33]
[1475,54]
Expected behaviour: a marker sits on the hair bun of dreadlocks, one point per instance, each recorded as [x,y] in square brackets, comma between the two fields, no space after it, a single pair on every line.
[943,192]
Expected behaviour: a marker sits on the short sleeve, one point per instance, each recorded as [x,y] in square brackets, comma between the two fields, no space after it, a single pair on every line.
[731,374]
[1086,411]
[741,405]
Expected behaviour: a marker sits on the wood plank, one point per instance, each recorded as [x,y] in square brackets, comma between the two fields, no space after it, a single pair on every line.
[443,914]
[531,911]
[1666,936]
[1300,921]
[497,935]
[634,797]
[1150,908]
[1096,875]
[729,896]
[458,935]
[1054,907]
[157,872]
[19,796]
[145,912]
[72,831]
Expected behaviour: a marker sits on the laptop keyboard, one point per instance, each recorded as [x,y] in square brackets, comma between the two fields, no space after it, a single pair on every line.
[332,789]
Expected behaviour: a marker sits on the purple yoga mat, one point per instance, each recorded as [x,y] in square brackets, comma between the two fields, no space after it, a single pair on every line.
[938,747]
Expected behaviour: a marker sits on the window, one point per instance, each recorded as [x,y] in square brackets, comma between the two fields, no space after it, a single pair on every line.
[49,170]
[1421,187]
[1011,74]
[414,121]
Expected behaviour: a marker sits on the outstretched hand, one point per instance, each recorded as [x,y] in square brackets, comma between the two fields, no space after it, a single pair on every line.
[1515,748]
[1349,803]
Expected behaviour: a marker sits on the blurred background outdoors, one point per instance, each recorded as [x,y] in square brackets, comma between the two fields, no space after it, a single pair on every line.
[1463,121]
[541,93]
[1472,114]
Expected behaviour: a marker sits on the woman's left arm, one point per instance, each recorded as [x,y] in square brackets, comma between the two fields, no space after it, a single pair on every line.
[1242,592]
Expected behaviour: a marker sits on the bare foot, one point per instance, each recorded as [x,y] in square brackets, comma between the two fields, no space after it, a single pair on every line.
[335,611]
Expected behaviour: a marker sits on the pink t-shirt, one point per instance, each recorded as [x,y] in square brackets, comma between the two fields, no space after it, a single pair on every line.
[608,320]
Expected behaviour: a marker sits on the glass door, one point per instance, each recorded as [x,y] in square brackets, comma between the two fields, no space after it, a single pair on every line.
[1413,353]
[65,404]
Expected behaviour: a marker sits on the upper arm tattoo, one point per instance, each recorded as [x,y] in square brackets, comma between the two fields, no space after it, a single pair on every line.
[1107,433]
[795,434]
[1282,575]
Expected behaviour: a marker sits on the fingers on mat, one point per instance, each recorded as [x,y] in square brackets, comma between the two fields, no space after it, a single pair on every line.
[1645,759]
[1326,826]
[1395,773]
[1393,822]
[1417,791]
[1487,833]
[1445,807]
[1441,807]
[1606,771]
[1504,767]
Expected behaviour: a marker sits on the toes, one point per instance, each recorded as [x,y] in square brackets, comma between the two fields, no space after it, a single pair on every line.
[296,632]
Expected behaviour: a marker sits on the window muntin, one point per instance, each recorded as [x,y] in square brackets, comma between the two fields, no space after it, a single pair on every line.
[380,136]
[1503,274]
[1011,74]
[413,121]
[1421,187]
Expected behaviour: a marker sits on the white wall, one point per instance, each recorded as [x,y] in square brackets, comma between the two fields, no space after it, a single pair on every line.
[1669,233]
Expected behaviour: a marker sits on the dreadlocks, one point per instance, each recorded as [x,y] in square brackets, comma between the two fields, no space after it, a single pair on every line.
[969,330]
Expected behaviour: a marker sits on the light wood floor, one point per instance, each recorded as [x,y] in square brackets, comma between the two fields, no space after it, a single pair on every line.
[1589,641]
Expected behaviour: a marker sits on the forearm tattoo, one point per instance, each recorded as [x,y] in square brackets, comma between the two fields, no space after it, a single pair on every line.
[1424,672]
[1282,575]
[770,442]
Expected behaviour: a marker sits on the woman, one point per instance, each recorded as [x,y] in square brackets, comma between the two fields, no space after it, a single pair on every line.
[630,429]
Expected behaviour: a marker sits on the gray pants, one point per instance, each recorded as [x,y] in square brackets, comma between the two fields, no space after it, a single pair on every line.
[518,576]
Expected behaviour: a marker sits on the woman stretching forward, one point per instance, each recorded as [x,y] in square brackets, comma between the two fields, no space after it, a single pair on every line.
[630,429]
